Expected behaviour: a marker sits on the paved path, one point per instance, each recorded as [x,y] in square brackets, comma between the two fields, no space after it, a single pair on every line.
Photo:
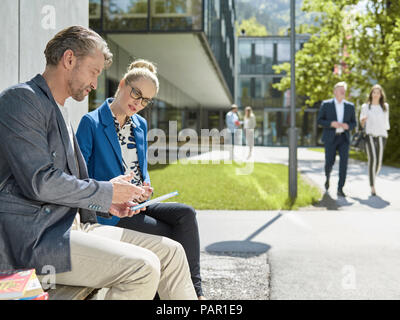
[346,248]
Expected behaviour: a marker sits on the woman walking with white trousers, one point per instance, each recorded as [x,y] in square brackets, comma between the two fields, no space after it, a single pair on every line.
[249,125]
[374,117]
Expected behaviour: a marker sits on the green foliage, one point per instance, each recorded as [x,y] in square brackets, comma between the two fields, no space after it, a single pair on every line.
[362,44]
[252,27]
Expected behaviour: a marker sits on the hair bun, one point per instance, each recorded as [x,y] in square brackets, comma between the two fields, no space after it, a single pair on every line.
[141,63]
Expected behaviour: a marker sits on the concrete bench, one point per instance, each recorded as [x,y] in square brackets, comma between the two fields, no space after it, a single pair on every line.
[70,293]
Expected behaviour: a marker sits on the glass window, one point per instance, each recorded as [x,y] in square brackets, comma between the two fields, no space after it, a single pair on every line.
[168,7]
[125,14]
[176,15]
[307,124]
[228,49]
[192,118]
[213,119]
[258,84]
[217,6]
[245,87]
[258,52]
[283,52]
[268,57]
[95,14]
[264,57]
[245,56]
[94,9]
[223,29]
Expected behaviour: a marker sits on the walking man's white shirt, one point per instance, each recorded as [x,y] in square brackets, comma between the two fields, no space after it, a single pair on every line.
[339,113]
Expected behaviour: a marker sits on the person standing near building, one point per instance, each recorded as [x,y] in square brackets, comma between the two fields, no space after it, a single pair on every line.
[232,124]
[337,117]
[374,117]
[249,124]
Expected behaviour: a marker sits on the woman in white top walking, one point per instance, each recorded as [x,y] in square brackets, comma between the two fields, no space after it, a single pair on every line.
[249,125]
[374,117]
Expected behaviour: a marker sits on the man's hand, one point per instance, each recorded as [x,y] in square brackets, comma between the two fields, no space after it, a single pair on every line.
[345,126]
[335,124]
[124,190]
[123,210]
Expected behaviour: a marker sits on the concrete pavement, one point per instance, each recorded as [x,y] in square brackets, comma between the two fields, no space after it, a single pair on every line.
[342,248]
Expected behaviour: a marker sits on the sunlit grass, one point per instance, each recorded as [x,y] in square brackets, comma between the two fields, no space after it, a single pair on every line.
[219,186]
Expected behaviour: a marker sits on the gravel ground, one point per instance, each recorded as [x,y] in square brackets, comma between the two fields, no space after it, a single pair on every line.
[235,276]
[230,276]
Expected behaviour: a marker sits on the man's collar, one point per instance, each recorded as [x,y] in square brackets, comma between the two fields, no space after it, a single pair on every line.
[337,102]
[42,84]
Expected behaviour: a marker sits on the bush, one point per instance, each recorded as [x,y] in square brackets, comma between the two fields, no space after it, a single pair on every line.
[392,149]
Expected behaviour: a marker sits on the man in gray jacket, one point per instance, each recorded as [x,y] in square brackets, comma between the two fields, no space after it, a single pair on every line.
[48,205]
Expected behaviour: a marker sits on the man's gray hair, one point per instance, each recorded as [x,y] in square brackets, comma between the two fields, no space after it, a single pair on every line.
[82,41]
[340,84]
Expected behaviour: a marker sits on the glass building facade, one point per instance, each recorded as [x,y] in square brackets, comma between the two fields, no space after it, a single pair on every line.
[256,56]
[214,20]
[146,15]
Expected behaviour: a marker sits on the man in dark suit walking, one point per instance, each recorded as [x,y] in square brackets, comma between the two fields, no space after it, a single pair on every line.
[337,117]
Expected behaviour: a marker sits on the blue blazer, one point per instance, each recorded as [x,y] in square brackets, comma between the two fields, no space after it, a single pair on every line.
[327,114]
[100,147]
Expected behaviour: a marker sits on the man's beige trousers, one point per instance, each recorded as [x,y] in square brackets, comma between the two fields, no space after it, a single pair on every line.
[133,265]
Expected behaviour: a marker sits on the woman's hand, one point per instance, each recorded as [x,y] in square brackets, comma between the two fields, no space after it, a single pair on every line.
[363,120]
[148,191]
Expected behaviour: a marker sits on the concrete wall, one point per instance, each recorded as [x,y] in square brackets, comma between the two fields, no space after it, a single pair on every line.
[27,27]
[9,43]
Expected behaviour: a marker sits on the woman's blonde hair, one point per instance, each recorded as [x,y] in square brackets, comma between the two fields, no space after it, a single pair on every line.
[248,108]
[141,69]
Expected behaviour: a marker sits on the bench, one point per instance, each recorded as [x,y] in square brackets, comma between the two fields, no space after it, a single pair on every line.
[70,293]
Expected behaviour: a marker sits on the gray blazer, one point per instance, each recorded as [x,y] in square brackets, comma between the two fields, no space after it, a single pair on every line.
[40,184]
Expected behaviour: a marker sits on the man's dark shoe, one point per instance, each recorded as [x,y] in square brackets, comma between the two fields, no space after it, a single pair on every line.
[341,193]
[327,184]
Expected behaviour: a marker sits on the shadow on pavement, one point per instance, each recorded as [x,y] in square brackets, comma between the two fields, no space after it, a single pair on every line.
[375,202]
[252,248]
[230,248]
[327,202]
[330,203]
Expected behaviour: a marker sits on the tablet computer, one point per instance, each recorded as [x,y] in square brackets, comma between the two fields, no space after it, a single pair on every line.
[155,200]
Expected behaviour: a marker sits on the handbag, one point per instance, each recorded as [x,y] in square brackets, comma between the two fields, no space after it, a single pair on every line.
[358,140]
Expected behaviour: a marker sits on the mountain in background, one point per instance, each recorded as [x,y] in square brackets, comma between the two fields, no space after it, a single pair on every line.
[273,14]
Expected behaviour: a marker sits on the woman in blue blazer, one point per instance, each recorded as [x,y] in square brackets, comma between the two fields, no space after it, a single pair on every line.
[113,141]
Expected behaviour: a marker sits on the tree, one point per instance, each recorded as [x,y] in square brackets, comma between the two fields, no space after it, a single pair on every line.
[252,28]
[359,45]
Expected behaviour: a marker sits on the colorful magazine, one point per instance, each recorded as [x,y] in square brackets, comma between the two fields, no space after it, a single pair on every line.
[14,283]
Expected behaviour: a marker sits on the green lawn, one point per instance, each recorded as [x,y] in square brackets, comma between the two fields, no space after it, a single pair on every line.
[217,186]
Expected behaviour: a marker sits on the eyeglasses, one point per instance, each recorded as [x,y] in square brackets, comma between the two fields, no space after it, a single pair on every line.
[136,94]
